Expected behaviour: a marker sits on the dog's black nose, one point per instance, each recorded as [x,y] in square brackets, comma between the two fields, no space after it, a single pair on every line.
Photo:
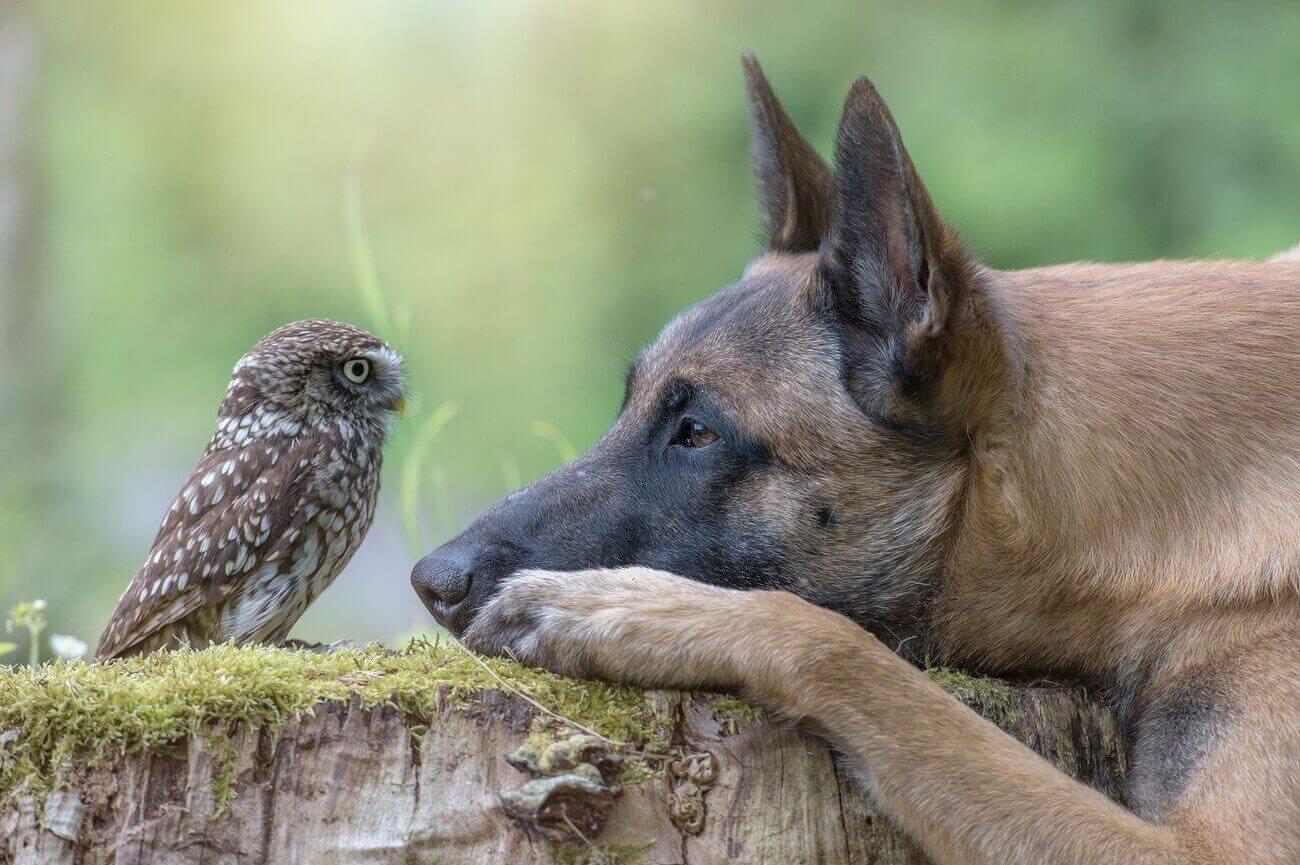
[459,577]
[441,580]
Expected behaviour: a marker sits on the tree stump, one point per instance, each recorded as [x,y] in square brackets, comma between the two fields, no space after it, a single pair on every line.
[486,776]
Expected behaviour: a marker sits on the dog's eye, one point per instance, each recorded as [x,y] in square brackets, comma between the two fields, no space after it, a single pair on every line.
[693,434]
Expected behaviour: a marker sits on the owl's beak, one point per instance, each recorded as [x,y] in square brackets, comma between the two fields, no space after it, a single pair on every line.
[399,405]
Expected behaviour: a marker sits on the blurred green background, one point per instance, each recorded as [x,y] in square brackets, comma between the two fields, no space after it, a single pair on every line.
[540,185]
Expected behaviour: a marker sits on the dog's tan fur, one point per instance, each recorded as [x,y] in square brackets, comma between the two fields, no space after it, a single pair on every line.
[1121,504]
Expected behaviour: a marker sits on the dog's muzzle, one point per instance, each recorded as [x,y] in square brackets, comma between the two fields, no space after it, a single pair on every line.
[443,580]
[579,516]
[457,579]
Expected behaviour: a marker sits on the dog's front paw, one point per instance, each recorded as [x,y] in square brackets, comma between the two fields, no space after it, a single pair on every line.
[630,624]
[520,620]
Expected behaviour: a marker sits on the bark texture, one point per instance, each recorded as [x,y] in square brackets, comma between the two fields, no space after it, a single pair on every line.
[354,785]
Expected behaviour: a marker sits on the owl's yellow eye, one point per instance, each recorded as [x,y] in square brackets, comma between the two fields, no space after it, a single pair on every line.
[356,369]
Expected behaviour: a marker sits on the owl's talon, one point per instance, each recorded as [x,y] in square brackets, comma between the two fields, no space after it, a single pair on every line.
[302,645]
[336,646]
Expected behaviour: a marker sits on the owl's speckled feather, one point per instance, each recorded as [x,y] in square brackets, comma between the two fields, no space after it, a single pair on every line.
[279,502]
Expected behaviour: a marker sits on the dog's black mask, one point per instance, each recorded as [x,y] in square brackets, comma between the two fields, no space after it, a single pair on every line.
[639,497]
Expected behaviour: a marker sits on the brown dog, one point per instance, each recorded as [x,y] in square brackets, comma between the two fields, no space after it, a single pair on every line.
[1088,471]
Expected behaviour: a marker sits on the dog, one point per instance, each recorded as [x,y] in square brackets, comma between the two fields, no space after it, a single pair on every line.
[873,447]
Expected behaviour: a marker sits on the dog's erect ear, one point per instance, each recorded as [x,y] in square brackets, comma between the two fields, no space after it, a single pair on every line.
[895,270]
[794,183]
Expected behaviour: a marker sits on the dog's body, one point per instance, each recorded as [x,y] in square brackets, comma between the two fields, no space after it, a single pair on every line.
[1088,471]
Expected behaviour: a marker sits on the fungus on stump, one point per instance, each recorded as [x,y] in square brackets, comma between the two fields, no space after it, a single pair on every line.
[268,756]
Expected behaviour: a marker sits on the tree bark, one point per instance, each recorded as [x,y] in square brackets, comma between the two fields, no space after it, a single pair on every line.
[354,785]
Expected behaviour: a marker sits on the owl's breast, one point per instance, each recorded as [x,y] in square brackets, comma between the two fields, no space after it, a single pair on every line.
[332,520]
[347,487]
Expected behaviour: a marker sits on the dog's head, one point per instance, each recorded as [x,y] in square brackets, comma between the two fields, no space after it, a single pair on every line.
[804,429]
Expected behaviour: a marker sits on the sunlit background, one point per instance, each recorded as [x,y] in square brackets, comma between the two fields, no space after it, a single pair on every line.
[519,194]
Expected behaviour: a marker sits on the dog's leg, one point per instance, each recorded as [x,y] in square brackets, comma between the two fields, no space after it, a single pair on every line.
[968,792]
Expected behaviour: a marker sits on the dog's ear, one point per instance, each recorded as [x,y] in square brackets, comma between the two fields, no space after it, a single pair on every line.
[794,183]
[894,270]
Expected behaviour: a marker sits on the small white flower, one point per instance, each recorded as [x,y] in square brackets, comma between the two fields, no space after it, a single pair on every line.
[38,604]
[67,646]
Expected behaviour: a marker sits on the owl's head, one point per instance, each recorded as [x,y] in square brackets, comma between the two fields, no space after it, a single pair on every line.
[312,373]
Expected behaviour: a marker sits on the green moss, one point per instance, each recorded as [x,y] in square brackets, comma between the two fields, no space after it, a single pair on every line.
[70,707]
[223,775]
[990,697]
[600,854]
[731,711]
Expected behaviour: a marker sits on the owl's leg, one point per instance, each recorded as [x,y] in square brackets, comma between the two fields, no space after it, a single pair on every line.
[301,645]
[337,645]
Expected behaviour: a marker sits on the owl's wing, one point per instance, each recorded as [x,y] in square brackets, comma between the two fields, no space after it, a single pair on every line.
[222,526]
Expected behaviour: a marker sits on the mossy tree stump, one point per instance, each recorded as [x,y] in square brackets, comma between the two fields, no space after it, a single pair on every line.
[269,757]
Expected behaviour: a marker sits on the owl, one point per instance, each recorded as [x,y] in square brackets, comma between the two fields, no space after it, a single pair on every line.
[280,500]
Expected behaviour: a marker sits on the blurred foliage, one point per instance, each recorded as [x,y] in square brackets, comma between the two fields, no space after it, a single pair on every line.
[536,187]
[27,616]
